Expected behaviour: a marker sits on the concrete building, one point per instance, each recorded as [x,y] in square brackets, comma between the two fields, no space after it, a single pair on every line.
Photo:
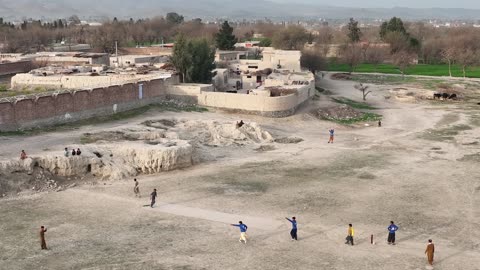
[137,60]
[60,58]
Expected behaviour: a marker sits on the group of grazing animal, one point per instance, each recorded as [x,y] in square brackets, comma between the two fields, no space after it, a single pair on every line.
[444,96]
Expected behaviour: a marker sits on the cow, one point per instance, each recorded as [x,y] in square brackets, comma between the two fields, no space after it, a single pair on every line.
[445,96]
[437,95]
[453,96]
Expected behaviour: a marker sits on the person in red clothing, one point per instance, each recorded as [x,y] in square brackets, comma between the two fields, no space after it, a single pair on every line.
[23,155]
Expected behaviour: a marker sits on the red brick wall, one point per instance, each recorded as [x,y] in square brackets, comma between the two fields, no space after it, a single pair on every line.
[25,110]
[7,113]
[28,110]
[81,100]
[45,107]
[64,103]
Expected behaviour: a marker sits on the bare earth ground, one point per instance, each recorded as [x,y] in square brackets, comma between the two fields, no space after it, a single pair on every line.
[420,170]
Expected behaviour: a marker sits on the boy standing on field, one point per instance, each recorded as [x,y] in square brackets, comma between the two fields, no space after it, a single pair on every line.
[243,231]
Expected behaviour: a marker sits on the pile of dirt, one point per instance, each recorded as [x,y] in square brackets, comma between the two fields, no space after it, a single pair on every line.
[337,113]
[341,76]
[211,133]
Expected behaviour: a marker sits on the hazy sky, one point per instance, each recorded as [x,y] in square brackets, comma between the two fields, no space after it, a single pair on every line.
[469,4]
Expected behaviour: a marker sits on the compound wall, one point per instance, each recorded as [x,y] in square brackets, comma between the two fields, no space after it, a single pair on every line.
[74,105]
[15,67]
[257,104]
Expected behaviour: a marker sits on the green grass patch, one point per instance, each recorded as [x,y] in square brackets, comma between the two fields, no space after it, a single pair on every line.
[421,69]
[164,106]
[323,91]
[366,117]
[353,104]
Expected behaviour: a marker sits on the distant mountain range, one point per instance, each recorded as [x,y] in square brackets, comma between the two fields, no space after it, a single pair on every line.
[232,9]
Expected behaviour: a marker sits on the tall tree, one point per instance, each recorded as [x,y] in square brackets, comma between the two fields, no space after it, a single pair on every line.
[354,32]
[181,58]
[202,61]
[394,25]
[225,39]
[448,55]
[174,18]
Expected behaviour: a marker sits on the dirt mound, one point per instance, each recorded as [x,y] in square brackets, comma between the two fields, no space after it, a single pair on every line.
[289,140]
[341,76]
[337,113]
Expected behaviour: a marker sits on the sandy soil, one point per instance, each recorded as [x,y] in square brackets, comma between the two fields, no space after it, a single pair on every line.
[420,170]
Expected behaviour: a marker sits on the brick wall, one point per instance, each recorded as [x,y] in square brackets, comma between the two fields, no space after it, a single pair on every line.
[74,105]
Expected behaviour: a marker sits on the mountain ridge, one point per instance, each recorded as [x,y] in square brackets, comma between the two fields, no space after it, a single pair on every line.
[231,9]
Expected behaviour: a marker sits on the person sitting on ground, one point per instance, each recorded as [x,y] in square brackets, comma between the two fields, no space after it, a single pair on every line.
[23,155]
[66,153]
[73,152]
[79,152]
[240,124]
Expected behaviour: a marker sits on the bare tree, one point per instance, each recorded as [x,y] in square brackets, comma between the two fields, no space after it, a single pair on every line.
[313,61]
[351,55]
[403,59]
[448,55]
[324,40]
[363,88]
[466,58]
[375,55]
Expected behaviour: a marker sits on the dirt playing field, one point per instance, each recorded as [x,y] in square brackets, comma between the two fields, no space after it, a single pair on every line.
[420,169]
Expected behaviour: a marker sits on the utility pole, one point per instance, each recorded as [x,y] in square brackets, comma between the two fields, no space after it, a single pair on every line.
[116,53]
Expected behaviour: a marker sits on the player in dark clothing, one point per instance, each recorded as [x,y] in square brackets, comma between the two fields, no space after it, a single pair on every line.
[153,196]
[293,232]
[391,233]
[43,230]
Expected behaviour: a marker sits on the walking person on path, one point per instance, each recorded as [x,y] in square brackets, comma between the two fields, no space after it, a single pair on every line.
[391,233]
[350,234]
[430,251]
[136,188]
[153,196]
[332,135]
[293,232]
[243,231]
[43,230]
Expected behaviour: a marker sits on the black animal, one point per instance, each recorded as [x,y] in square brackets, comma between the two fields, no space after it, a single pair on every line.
[453,96]
[437,95]
[445,96]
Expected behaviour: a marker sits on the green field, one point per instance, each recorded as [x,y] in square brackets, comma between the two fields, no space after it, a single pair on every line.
[426,70]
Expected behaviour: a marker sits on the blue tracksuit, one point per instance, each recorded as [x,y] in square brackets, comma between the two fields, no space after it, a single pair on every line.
[243,227]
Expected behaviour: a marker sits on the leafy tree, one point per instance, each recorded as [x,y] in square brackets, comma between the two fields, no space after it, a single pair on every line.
[174,18]
[354,32]
[265,42]
[313,61]
[394,25]
[290,38]
[225,39]
[193,60]
[180,58]
[202,57]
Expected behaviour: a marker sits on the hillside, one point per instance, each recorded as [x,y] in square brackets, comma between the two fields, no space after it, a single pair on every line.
[15,10]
